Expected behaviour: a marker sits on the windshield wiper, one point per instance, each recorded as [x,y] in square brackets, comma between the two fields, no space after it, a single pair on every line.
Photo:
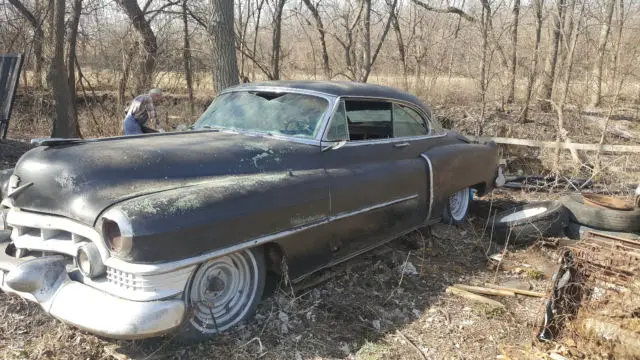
[208,127]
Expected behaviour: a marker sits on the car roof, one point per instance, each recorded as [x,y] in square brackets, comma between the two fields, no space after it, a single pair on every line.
[340,88]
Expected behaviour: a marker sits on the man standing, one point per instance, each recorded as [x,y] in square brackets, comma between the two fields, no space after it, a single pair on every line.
[140,111]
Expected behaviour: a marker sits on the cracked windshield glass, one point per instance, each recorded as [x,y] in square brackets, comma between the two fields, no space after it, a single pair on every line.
[288,114]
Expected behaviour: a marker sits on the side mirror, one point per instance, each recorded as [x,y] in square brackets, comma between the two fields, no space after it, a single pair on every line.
[335,145]
[182,127]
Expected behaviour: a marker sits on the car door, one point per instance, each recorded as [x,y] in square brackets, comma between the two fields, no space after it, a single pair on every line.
[377,186]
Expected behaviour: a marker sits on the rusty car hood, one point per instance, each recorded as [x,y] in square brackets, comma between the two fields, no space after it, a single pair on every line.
[81,180]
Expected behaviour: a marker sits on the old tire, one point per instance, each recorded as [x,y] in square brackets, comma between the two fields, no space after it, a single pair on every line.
[574,231]
[528,223]
[457,207]
[222,293]
[599,217]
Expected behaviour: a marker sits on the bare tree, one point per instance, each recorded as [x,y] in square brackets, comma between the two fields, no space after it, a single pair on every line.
[602,45]
[276,39]
[38,37]
[321,34]
[65,123]
[562,133]
[225,64]
[186,55]
[537,8]
[514,51]
[395,23]
[548,77]
[149,42]
[71,48]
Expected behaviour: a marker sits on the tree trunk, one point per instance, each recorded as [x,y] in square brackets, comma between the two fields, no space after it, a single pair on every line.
[401,50]
[321,32]
[602,45]
[549,74]
[225,64]
[537,6]
[149,43]
[486,13]
[255,36]
[514,51]
[65,122]
[276,39]
[71,48]
[562,134]
[364,43]
[38,38]
[186,56]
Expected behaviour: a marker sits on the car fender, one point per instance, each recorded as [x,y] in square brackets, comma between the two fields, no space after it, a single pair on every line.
[222,213]
[457,166]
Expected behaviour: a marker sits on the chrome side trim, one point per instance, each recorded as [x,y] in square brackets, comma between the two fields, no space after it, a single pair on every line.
[15,191]
[371,208]
[431,194]
[149,269]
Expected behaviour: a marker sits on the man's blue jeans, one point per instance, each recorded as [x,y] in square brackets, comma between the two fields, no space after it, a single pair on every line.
[131,126]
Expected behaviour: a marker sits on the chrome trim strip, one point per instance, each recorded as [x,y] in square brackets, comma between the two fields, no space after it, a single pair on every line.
[276,89]
[431,194]
[148,269]
[18,190]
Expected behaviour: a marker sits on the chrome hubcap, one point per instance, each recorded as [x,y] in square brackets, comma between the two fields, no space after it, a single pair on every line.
[222,291]
[458,204]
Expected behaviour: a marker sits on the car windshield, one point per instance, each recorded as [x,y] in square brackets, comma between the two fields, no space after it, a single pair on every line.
[289,114]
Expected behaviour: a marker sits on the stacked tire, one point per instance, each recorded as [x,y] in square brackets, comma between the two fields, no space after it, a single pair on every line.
[569,216]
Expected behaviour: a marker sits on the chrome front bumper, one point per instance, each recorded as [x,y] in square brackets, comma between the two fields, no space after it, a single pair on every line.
[45,281]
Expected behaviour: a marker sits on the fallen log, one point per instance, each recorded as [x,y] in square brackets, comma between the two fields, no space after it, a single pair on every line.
[474,297]
[562,145]
[517,291]
[485,291]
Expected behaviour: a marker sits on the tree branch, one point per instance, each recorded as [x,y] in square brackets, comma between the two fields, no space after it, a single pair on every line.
[447,10]
[25,12]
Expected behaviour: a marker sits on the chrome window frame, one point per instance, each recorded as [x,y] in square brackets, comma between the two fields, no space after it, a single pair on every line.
[421,112]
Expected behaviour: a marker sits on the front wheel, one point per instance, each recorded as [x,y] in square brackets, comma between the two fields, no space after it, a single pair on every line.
[223,292]
[457,207]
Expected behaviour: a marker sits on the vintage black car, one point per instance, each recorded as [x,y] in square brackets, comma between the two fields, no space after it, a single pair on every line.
[133,237]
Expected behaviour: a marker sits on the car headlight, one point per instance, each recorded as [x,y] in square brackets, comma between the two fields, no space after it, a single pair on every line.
[116,232]
[89,261]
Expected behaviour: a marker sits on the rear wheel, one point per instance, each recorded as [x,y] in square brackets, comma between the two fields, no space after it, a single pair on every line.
[457,207]
[223,292]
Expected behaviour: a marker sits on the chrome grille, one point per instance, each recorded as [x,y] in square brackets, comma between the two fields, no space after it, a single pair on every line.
[146,287]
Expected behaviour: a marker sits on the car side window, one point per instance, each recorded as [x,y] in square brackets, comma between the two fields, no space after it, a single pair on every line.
[368,120]
[338,127]
[408,122]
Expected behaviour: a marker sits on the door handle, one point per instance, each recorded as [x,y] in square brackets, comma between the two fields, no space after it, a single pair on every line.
[401,145]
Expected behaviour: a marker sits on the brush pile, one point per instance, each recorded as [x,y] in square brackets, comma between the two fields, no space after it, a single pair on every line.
[595,300]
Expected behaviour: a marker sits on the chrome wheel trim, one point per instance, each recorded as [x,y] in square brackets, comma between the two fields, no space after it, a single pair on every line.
[226,288]
[523,214]
[458,204]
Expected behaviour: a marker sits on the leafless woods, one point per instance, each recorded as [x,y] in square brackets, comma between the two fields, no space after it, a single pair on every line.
[548,54]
